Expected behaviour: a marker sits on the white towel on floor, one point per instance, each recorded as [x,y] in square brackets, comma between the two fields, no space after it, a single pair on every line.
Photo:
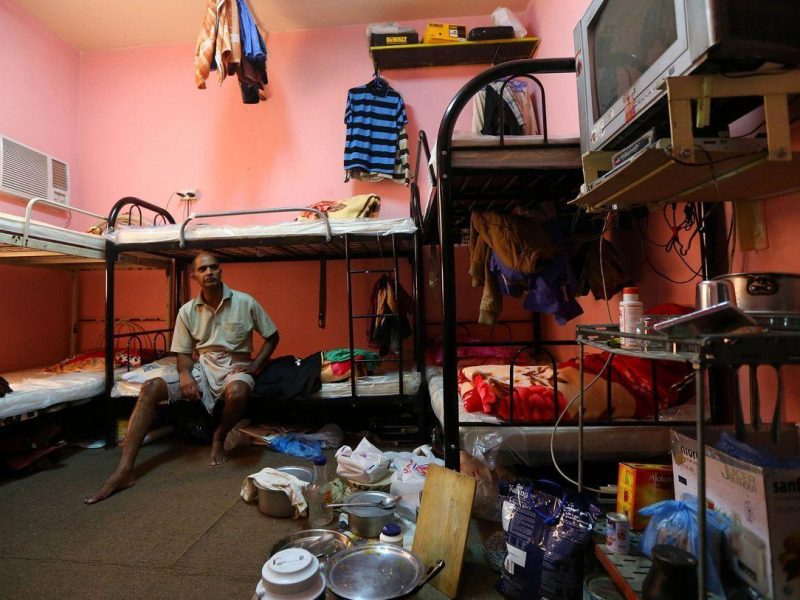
[272,479]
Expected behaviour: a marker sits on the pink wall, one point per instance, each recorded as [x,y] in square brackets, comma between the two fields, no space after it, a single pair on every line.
[146,131]
[38,107]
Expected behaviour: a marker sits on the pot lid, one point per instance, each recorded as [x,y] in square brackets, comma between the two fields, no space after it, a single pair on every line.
[374,572]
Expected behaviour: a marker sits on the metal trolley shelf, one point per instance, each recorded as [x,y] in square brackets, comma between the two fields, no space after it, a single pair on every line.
[732,349]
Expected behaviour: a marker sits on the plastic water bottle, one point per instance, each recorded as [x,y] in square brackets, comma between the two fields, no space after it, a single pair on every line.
[630,313]
[318,495]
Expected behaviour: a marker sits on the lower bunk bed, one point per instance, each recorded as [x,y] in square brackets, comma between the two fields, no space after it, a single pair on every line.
[35,391]
[508,415]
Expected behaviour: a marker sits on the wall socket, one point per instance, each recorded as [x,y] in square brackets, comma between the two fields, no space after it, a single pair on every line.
[189,194]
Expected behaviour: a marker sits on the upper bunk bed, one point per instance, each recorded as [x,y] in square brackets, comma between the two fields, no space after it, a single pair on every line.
[24,241]
[305,239]
[497,172]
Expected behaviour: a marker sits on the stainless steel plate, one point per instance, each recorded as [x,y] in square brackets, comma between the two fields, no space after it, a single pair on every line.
[374,572]
[322,543]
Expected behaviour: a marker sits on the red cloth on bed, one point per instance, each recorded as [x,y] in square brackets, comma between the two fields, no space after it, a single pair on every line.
[487,388]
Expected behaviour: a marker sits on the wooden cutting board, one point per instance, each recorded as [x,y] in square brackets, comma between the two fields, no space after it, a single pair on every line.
[443,523]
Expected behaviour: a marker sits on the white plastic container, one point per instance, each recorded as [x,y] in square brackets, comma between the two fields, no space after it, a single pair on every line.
[391,534]
[630,313]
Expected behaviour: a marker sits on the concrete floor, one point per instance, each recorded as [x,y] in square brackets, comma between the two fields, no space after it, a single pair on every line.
[181,532]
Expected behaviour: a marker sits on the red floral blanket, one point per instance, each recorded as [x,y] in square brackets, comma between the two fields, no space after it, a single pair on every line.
[487,389]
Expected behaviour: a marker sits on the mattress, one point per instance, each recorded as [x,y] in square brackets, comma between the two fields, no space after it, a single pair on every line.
[370,385]
[517,151]
[531,444]
[35,390]
[315,227]
[49,240]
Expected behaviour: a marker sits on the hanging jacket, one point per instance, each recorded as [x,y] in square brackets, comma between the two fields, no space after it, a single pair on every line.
[387,331]
[519,242]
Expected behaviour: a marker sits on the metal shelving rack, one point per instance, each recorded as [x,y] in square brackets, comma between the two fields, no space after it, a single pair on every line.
[702,352]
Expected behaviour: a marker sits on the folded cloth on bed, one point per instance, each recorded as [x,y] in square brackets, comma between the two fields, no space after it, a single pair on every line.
[487,388]
[364,206]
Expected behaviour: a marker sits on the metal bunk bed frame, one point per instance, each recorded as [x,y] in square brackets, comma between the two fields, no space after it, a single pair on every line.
[347,247]
[495,189]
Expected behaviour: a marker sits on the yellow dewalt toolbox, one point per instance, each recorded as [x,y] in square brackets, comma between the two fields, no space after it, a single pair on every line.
[441,33]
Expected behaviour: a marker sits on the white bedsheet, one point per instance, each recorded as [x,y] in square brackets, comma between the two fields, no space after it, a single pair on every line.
[370,385]
[45,236]
[35,389]
[202,231]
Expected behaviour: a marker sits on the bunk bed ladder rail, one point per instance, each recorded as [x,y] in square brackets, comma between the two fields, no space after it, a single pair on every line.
[112,255]
[446,239]
[395,272]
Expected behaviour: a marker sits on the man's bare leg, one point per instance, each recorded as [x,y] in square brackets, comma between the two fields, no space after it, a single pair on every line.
[153,392]
[236,395]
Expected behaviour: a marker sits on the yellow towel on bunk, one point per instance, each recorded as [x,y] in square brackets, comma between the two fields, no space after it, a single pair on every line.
[364,206]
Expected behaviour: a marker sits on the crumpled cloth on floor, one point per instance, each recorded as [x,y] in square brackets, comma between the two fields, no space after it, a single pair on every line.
[278,481]
[365,464]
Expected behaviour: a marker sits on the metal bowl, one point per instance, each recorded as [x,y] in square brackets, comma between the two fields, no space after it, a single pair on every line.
[367,521]
[275,503]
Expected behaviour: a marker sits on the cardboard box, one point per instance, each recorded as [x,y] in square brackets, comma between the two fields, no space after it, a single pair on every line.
[440,33]
[394,39]
[763,503]
[641,485]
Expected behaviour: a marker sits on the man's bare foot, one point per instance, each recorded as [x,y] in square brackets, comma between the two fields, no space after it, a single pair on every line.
[116,483]
[218,455]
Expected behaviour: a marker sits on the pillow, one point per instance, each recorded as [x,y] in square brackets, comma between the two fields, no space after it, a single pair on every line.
[166,369]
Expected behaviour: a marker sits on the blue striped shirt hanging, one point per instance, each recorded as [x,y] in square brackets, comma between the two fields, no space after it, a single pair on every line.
[375,116]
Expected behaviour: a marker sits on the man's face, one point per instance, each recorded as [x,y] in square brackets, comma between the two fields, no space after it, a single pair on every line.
[207,271]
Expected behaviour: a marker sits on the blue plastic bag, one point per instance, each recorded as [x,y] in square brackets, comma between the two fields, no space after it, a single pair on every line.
[675,523]
[290,444]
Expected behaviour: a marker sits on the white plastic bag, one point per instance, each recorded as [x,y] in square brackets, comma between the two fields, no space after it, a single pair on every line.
[365,464]
[410,471]
[504,17]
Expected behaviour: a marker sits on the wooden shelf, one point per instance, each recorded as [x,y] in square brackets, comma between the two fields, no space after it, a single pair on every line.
[654,176]
[684,174]
[493,52]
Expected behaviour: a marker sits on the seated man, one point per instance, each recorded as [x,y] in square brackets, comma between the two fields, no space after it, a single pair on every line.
[218,326]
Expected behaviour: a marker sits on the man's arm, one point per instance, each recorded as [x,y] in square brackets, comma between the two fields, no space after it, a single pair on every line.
[267,348]
[189,388]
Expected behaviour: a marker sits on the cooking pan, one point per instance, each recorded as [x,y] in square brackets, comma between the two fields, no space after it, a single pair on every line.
[377,572]
[766,293]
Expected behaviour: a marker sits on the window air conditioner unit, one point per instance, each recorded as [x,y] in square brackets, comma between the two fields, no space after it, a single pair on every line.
[28,173]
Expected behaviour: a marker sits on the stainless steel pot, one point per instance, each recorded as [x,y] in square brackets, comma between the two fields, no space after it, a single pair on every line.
[275,503]
[766,294]
[367,521]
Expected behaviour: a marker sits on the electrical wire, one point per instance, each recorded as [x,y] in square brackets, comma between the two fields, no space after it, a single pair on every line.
[591,383]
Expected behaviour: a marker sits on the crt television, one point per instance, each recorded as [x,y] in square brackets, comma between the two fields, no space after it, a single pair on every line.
[625,48]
